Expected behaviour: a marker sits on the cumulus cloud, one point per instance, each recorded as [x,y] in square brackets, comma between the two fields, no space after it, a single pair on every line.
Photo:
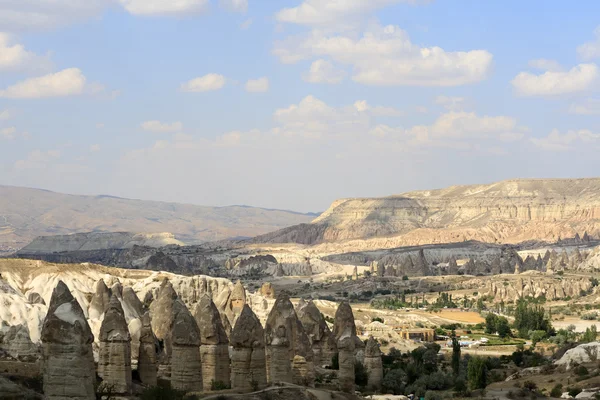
[384,55]
[323,71]
[546,65]
[246,24]
[450,103]
[37,159]
[234,5]
[164,7]
[556,141]
[580,78]
[157,126]
[590,50]
[328,12]
[14,56]
[378,111]
[18,15]
[589,106]
[68,82]
[204,83]
[259,85]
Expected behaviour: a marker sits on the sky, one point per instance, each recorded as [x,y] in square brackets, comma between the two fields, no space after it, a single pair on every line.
[292,104]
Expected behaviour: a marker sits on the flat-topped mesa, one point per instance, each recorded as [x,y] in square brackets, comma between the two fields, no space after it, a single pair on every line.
[214,348]
[315,327]
[248,362]
[114,360]
[373,364]
[161,314]
[100,300]
[147,358]
[69,371]
[279,329]
[186,367]
[344,331]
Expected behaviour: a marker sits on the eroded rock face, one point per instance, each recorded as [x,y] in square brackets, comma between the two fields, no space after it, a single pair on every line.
[16,342]
[214,348]
[100,300]
[248,362]
[316,328]
[114,362]
[147,358]
[267,290]
[238,297]
[186,367]
[373,364]
[162,313]
[69,371]
[279,340]
[344,331]
[35,298]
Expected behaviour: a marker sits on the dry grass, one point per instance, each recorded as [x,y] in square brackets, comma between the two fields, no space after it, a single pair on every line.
[470,317]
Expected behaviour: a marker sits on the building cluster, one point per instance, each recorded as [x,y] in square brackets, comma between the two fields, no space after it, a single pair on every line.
[191,347]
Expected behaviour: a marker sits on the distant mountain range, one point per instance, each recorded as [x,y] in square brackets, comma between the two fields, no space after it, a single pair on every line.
[27,213]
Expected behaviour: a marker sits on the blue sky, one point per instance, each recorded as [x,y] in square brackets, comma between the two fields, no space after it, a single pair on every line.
[292,104]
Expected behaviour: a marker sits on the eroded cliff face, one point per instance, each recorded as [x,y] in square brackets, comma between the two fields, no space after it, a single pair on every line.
[507,212]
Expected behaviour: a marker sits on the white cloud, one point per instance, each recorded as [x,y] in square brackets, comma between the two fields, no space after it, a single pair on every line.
[556,141]
[450,103]
[378,111]
[6,115]
[386,56]
[246,24]
[234,5]
[323,71]
[590,50]
[578,79]
[37,159]
[546,65]
[259,85]
[164,7]
[157,126]
[204,83]
[589,106]
[8,133]
[68,82]
[17,15]
[14,57]
[328,12]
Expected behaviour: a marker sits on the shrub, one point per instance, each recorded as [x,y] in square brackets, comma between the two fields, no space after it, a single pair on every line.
[361,375]
[431,395]
[557,390]
[378,319]
[219,385]
[161,393]
[581,371]
[335,361]
[394,382]
[573,392]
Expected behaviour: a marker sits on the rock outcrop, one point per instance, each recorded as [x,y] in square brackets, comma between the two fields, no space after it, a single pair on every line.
[114,360]
[186,366]
[248,362]
[100,300]
[317,330]
[69,371]
[162,313]
[214,348]
[344,331]
[279,340]
[373,364]
[267,290]
[147,358]
[16,342]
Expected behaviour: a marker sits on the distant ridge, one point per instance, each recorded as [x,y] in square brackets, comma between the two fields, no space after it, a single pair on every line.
[27,213]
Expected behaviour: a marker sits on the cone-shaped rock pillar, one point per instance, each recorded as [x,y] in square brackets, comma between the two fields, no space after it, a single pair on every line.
[316,328]
[344,331]
[100,300]
[147,358]
[186,367]
[161,314]
[279,339]
[238,298]
[69,371]
[114,360]
[373,364]
[214,344]
[248,363]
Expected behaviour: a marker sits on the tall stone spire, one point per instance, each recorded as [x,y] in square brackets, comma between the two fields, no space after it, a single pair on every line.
[186,367]
[315,327]
[344,331]
[238,297]
[161,314]
[374,364]
[100,300]
[114,360]
[279,339]
[214,348]
[147,358]
[248,362]
[69,371]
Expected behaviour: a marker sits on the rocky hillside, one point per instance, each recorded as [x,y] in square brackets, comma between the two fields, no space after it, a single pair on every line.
[28,213]
[505,212]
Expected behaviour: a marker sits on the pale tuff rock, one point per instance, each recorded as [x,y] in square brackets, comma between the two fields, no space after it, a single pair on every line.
[226,324]
[279,338]
[316,328]
[100,300]
[69,371]
[532,286]
[132,306]
[390,270]
[162,313]
[186,367]
[380,270]
[373,364]
[35,298]
[147,358]
[114,365]
[302,372]
[214,348]
[344,330]
[16,342]
[161,262]
[117,290]
[452,267]
[302,347]
[248,362]
[584,353]
[279,271]
[267,290]
[517,269]
[238,297]
[355,273]
[373,267]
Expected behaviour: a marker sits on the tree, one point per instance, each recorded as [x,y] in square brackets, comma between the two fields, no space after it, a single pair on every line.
[455,354]
[430,361]
[590,334]
[503,328]
[491,322]
[394,381]
[477,373]
[531,318]
[536,336]
[361,375]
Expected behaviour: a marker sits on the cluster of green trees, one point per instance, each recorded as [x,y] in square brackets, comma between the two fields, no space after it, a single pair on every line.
[444,300]
[497,324]
[531,317]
